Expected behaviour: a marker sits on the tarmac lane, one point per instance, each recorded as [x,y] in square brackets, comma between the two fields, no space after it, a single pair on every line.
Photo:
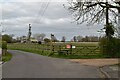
[0,71]
[29,65]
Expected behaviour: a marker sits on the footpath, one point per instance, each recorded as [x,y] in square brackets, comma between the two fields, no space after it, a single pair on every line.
[107,67]
[111,71]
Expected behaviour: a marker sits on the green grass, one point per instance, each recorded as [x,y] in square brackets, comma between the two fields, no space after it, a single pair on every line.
[77,56]
[45,49]
[6,57]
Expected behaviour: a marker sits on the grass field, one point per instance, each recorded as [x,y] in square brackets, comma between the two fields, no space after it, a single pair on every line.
[82,50]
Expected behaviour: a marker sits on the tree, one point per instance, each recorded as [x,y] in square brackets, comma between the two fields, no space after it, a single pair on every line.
[63,39]
[46,40]
[95,11]
[110,30]
[4,47]
[79,38]
[7,38]
[39,37]
[75,39]
[53,38]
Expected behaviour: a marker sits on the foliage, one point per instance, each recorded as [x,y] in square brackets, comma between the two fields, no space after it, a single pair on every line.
[109,30]
[7,38]
[4,45]
[47,40]
[110,48]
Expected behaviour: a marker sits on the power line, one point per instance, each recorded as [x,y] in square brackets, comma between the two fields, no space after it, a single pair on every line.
[44,10]
[41,11]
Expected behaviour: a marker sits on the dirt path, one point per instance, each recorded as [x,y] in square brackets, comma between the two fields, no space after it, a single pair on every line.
[97,62]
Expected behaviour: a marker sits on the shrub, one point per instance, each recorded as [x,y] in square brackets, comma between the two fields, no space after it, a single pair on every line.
[46,40]
[110,48]
[39,42]
[7,38]
[4,47]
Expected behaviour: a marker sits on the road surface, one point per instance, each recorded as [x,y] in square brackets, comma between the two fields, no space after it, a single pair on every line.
[29,65]
[0,71]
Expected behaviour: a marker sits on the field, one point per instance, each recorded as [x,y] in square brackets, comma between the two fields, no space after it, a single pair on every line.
[79,50]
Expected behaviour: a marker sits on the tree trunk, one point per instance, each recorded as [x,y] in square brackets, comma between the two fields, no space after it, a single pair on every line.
[107,21]
[118,23]
[4,51]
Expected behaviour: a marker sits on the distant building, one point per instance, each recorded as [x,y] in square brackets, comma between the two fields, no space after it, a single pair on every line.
[23,39]
[34,40]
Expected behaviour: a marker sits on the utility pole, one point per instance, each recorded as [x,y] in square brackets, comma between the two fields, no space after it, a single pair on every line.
[29,33]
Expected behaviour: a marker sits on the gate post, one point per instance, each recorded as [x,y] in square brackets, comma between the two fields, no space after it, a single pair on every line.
[70,48]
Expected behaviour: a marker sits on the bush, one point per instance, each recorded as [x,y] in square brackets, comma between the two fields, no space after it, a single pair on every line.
[4,45]
[46,40]
[7,38]
[110,48]
[39,42]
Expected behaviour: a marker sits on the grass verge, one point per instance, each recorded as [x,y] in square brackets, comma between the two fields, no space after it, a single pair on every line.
[6,57]
[77,56]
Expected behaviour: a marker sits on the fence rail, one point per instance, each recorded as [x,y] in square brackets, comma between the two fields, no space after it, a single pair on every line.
[78,50]
[55,48]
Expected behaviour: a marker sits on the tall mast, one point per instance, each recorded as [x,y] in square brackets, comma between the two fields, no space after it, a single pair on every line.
[29,33]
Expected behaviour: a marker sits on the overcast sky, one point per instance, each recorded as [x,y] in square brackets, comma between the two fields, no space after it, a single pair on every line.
[45,17]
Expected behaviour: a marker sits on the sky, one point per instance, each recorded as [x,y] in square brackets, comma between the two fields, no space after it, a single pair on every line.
[45,17]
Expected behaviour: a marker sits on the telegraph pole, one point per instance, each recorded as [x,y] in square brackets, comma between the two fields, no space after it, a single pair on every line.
[29,33]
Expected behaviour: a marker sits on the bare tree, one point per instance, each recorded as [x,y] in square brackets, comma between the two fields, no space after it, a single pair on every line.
[63,39]
[95,11]
[39,37]
[79,38]
[75,39]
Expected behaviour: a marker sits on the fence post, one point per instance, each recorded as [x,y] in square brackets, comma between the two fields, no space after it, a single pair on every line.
[59,47]
[43,48]
[70,48]
[52,48]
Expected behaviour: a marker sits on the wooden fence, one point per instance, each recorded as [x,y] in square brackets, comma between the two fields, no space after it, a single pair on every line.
[76,50]
[57,49]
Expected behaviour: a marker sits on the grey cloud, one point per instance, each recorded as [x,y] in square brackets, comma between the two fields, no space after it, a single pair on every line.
[56,19]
